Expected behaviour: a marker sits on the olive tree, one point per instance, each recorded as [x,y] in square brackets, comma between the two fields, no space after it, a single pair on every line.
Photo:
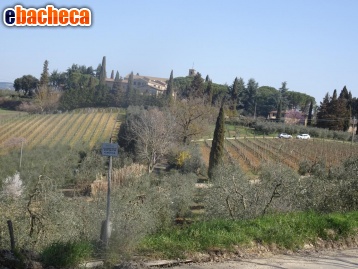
[232,194]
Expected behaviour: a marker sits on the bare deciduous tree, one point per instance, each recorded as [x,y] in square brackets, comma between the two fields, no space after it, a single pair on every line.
[192,117]
[154,133]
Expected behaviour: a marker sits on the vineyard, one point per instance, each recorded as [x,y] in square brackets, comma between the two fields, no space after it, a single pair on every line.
[82,128]
[251,152]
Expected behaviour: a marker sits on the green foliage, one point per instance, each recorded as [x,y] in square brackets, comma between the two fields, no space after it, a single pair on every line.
[196,88]
[249,97]
[67,254]
[81,92]
[236,94]
[27,84]
[267,98]
[273,128]
[334,113]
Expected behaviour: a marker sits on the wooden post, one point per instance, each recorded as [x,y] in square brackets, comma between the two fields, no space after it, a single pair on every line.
[11,232]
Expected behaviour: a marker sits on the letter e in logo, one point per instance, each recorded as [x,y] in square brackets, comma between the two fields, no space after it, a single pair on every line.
[9,16]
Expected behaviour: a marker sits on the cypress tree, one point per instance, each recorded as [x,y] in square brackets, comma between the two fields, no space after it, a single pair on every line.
[129,90]
[103,74]
[117,91]
[309,119]
[112,74]
[217,147]
[98,71]
[45,77]
[209,92]
[344,108]
[279,110]
[116,83]
[170,88]
[235,93]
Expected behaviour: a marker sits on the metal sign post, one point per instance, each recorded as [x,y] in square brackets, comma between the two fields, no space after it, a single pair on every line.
[111,150]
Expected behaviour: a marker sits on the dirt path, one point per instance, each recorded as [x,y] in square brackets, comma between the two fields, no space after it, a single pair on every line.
[347,259]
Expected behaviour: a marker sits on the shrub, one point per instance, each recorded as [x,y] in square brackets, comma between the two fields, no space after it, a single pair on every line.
[187,159]
[67,254]
[147,205]
[304,167]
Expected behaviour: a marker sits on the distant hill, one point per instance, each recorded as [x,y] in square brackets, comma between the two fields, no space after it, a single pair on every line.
[6,86]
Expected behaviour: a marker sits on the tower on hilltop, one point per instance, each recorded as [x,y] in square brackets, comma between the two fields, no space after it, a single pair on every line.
[192,72]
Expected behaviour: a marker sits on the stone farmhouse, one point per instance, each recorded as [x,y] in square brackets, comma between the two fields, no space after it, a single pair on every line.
[147,84]
[144,84]
[291,116]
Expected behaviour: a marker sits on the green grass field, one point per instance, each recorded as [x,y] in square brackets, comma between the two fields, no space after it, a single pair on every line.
[284,231]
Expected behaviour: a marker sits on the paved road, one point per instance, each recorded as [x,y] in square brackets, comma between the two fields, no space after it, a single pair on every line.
[323,260]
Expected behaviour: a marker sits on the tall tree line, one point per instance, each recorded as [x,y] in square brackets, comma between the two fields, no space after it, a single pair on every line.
[335,112]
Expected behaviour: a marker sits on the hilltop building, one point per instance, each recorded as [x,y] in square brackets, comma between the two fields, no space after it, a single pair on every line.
[144,84]
[192,72]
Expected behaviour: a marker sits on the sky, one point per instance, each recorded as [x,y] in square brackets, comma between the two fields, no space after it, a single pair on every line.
[310,44]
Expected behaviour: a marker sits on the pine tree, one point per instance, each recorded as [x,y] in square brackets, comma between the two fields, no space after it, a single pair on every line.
[170,88]
[283,95]
[323,113]
[249,96]
[217,146]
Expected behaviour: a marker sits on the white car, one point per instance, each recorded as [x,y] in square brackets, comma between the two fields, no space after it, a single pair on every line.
[303,136]
[284,135]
